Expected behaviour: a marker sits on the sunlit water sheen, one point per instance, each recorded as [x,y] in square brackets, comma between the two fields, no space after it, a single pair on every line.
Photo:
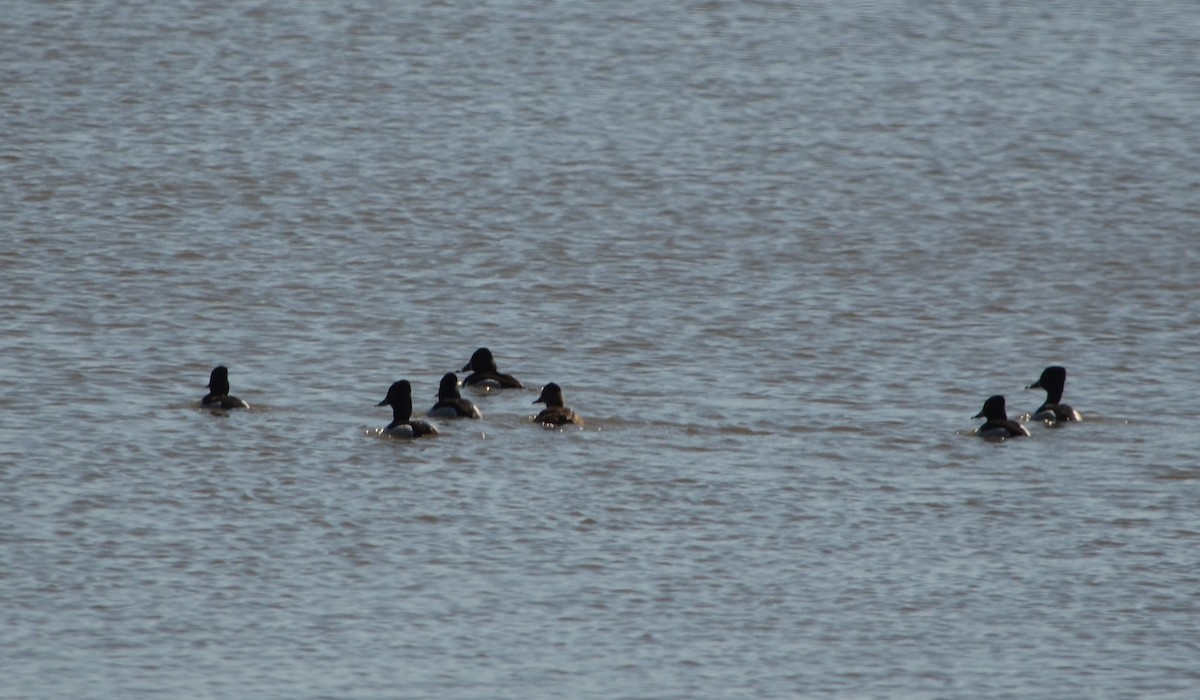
[775,255]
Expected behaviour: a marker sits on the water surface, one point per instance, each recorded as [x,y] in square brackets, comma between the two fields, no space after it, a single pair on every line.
[777,255]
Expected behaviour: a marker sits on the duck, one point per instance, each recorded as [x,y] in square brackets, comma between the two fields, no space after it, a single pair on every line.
[998,425]
[399,397]
[556,412]
[450,403]
[218,391]
[1052,380]
[484,372]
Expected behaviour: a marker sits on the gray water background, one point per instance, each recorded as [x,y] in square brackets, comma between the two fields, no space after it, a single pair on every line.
[777,254]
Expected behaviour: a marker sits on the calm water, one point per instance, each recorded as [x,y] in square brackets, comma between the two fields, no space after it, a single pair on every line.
[777,255]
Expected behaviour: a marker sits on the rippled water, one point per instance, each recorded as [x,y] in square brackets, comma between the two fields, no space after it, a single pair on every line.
[776,254]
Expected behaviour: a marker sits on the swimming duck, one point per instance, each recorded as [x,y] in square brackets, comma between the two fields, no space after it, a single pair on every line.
[998,425]
[218,391]
[556,412]
[1053,380]
[450,403]
[484,372]
[399,397]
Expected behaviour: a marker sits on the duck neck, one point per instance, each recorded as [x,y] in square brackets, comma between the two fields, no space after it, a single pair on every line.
[1053,396]
[401,413]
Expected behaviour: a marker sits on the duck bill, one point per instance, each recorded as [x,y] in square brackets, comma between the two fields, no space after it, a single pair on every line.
[1035,385]
[978,415]
[382,403]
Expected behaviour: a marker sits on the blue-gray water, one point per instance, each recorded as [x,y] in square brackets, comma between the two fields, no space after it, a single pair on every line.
[776,254]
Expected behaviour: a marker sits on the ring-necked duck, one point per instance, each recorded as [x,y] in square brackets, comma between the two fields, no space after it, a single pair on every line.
[483,368]
[218,391]
[1053,380]
[998,425]
[450,403]
[399,397]
[556,412]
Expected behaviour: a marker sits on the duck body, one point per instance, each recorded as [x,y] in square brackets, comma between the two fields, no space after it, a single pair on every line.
[997,425]
[1052,410]
[450,403]
[409,431]
[399,397]
[556,411]
[1056,413]
[218,391]
[223,402]
[485,374]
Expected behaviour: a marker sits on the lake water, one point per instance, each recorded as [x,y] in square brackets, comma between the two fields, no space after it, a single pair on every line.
[776,254]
